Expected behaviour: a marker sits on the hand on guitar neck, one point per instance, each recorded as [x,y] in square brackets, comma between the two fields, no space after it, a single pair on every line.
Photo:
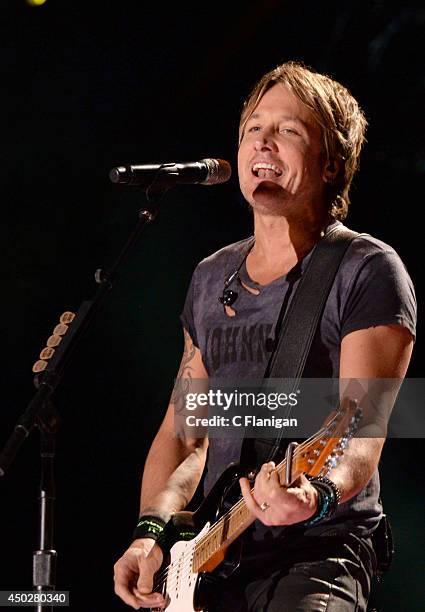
[141,570]
[285,506]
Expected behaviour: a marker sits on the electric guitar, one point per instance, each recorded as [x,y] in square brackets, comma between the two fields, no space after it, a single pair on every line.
[181,578]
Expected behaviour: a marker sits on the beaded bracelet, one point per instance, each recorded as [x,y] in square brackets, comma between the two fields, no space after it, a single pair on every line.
[323,480]
[329,497]
[149,527]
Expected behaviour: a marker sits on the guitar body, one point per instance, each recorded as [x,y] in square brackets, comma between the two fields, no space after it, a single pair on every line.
[185,589]
[203,537]
[182,587]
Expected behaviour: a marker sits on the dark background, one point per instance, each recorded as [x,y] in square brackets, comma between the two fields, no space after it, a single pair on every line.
[89,85]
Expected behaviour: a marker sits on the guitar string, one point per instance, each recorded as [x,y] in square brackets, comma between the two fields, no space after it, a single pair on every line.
[302,448]
[181,575]
[180,571]
[214,528]
[172,575]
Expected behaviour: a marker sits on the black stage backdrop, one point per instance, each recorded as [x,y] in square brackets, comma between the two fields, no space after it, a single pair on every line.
[90,85]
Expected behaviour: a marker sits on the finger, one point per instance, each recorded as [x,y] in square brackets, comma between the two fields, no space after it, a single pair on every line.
[128,598]
[302,480]
[150,600]
[145,588]
[144,594]
[122,581]
[267,469]
[144,585]
[247,495]
[275,480]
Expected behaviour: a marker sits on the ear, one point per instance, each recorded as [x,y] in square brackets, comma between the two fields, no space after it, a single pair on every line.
[331,170]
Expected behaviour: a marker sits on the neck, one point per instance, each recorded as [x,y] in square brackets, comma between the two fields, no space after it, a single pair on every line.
[278,239]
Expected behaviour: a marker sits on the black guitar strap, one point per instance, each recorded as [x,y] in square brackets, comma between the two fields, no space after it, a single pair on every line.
[297,325]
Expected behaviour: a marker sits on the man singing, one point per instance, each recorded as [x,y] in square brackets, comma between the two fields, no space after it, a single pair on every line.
[300,138]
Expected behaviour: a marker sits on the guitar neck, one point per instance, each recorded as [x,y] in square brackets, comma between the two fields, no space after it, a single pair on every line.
[320,453]
[229,527]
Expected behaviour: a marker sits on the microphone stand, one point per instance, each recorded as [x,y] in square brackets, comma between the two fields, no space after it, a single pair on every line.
[41,413]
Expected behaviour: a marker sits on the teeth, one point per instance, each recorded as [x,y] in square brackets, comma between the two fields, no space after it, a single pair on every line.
[266,166]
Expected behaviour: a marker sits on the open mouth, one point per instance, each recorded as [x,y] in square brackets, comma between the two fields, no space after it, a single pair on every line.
[266,170]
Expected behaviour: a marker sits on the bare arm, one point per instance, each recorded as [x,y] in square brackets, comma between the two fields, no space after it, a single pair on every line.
[381,352]
[174,464]
[172,472]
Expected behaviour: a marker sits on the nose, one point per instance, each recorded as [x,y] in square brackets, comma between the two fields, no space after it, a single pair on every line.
[265,142]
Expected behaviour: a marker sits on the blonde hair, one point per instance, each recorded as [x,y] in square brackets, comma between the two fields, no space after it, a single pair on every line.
[338,113]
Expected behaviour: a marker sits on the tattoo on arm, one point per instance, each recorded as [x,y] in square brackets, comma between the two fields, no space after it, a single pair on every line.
[184,377]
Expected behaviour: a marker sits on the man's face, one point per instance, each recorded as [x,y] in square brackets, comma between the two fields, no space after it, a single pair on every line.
[280,160]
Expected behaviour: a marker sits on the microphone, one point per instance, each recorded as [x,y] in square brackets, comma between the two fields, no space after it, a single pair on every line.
[205,172]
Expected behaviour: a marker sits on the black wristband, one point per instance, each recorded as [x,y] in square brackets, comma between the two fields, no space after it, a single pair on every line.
[329,497]
[149,527]
[174,531]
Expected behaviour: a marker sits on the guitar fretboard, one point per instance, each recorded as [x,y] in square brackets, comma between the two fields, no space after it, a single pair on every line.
[228,528]
[309,457]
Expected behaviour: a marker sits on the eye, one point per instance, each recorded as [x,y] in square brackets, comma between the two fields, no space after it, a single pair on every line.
[287,130]
[254,128]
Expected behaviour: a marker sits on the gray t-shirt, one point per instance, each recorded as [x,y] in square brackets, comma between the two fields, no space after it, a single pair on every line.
[372,287]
